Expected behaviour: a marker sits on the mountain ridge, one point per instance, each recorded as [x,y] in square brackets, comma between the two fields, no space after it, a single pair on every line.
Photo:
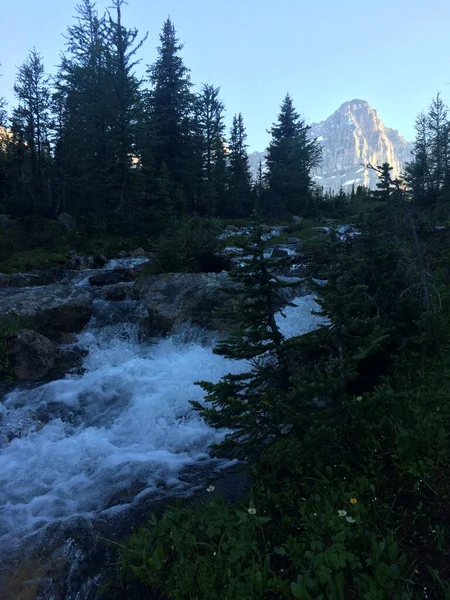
[352,137]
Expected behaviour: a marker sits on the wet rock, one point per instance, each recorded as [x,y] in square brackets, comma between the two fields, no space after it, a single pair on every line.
[29,279]
[174,298]
[325,230]
[279,253]
[79,263]
[138,253]
[33,356]
[51,309]
[110,277]
[294,241]
[115,293]
[67,221]
[131,273]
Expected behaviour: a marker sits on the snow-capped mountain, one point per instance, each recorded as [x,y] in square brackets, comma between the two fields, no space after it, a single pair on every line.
[352,137]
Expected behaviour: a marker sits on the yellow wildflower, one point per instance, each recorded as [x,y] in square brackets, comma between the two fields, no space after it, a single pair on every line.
[353,500]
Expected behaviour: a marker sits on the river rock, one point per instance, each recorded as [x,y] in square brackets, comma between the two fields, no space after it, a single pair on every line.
[279,253]
[33,356]
[325,230]
[51,309]
[139,253]
[115,293]
[110,278]
[80,263]
[174,298]
[293,241]
[15,280]
[67,221]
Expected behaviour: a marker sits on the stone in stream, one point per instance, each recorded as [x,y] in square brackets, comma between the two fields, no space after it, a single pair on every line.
[33,356]
[36,278]
[110,277]
[49,310]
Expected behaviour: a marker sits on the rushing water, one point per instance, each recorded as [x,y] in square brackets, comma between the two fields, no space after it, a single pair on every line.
[123,429]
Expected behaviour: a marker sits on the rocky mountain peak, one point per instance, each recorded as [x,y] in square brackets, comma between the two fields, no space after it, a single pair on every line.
[352,137]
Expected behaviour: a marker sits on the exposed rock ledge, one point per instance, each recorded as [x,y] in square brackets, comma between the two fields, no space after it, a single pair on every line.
[51,309]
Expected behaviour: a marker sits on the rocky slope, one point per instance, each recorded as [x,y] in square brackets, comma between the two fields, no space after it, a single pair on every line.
[353,136]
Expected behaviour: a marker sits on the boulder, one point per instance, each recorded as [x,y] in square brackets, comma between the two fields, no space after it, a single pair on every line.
[51,309]
[33,356]
[294,241]
[279,253]
[115,293]
[80,263]
[297,220]
[131,273]
[67,221]
[174,298]
[110,278]
[16,280]
[138,253]
[325,230]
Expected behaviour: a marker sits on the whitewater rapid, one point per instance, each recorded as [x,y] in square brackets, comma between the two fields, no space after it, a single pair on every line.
[122,430]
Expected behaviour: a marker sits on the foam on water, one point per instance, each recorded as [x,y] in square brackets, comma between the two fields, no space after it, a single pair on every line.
[89,442]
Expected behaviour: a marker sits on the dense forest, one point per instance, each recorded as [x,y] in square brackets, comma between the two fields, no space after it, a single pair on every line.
[99,143]
[346,429]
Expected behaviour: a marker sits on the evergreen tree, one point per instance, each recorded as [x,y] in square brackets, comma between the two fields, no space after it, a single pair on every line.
[290,157]
[5,187]
[84,95]
[170,114]
[418,171]
[241,198]
[31,123]
[125,102]
[438,127]
[3,114]
[251,403]
[259,188]
[428,174]
[212,129]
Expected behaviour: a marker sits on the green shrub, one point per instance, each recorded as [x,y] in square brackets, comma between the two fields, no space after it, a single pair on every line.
[8,324]
[188,245]
[209,551]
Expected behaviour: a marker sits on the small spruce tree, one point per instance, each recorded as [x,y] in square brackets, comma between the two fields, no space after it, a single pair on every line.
[250,403]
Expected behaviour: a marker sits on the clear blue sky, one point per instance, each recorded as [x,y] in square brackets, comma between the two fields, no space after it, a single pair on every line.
[394,54]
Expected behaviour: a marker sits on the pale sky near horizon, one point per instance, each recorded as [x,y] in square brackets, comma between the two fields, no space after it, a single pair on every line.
[394,54]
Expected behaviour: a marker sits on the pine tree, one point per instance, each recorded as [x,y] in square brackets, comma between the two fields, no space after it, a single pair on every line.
[84,94]
[259,188]
[31,123]
[3,114]
[438,128]
[170,114]
[212,129]
[251,403]
[125,103]
[428,174]
[418,171]
[241,199]
[290,157]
